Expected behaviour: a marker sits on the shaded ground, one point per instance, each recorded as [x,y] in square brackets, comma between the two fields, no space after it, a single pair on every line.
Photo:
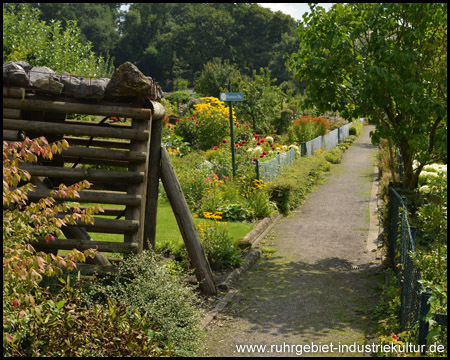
[320,284]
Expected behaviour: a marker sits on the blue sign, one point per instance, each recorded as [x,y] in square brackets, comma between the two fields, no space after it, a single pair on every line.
[231,96]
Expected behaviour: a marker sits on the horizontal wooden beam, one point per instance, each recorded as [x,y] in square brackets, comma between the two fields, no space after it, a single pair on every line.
[127,177]
[105,154]
[109,226]
[70,160]
[11,135]
[14,92]
[80,244]
[79,130]
[111,144]
[11,113]
[72,107]
[96,197]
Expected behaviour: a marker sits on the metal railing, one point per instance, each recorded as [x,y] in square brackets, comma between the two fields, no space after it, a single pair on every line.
[401,244]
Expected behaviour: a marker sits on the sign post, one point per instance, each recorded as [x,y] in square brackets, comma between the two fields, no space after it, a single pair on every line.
[230,97]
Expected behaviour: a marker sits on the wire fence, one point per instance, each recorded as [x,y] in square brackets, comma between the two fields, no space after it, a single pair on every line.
[401,244]
[268,170]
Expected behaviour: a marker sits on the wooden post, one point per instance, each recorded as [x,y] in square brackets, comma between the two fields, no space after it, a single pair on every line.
[138,213]
[186,224]
[151,205]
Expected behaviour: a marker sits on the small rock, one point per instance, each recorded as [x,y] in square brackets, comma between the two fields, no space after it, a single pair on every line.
[128,80]
[48,86]
[92,88]
[15,75]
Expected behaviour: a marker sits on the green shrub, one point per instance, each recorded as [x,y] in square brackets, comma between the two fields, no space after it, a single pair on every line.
[334,156]
[217,243]
[187,129]
[356,128]
[289,190]
[178,96]
[147,288]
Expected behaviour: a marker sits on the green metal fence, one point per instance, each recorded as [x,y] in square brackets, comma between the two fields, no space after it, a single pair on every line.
[267,170]
[401,243]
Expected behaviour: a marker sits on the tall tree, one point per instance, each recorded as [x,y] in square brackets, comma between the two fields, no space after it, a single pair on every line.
[98,22]
[386,61]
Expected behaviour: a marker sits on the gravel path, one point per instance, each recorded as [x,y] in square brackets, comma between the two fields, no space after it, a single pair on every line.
[320,284]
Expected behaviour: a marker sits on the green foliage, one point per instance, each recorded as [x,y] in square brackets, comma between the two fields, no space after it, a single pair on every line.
[154,291]
[215,77]
[186,128]
[289,190]
[334,155]
[180,84]
[25,38]
[386,61]
[217,243]
[356,128]
[262,101]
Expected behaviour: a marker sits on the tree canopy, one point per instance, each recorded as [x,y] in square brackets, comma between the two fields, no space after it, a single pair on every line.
[387,61]
[172,40]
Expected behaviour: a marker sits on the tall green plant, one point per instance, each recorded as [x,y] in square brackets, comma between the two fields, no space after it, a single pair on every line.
[262,101]
[25,38]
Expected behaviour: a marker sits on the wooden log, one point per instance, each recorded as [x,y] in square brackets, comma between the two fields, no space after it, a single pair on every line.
[111,144]
[78,232]
[158,110]
[11,113]
[138,213]
[14,92]
[108,211]
[91,197]
[80,130]
[154,166]
[11,135]
[187,227]
[81,244]
[127,177]
[109,226]
[73,107]
[105,154]
[71,160]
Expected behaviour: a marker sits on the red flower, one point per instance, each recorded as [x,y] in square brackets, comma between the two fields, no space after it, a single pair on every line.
[264,153]
[262,140]
[244,142]
[224,141]
[255,159]
[215,147]
[261,156]
[49,238]
[258,143]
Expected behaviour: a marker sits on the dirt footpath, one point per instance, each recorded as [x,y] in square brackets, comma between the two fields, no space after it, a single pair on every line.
[320,284]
